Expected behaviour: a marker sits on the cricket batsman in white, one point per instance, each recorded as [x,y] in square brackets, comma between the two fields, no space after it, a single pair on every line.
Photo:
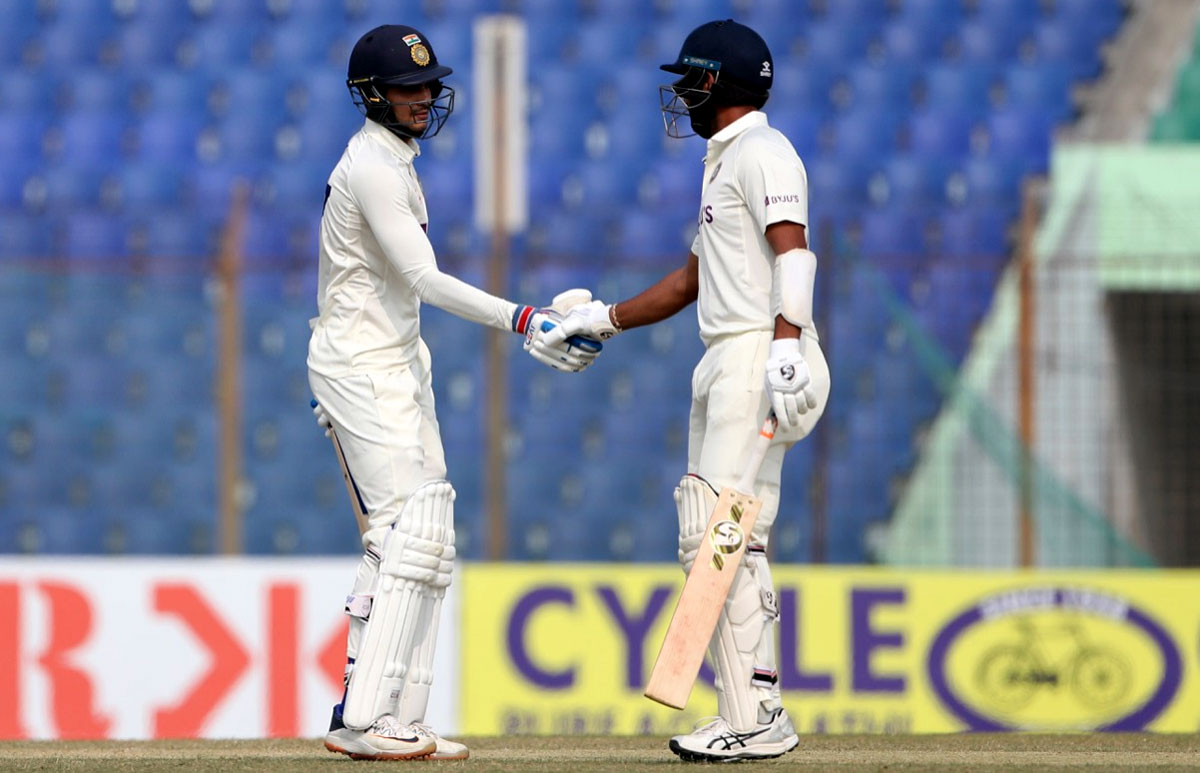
[370,373]
[752,274]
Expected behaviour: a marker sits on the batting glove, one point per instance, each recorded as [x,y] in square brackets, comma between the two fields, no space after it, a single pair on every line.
[323,420]
[789,383]
[590,320]
[569,355]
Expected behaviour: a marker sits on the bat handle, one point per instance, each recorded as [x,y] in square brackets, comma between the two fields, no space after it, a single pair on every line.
[757,453]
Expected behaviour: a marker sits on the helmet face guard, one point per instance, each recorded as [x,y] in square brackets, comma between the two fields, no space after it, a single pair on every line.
[370,97]
[685,97]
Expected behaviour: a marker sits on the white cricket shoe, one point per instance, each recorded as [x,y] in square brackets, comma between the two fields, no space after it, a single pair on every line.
[387,739]
[446,749]
[718,742]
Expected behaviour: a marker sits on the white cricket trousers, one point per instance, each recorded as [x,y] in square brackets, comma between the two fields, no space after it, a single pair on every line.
[389,433]
[729,405]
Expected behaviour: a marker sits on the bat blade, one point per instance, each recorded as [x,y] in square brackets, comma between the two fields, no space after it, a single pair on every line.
[703,596]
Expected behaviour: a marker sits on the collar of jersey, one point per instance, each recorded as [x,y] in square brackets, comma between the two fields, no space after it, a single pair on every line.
[405,151]
[743,124]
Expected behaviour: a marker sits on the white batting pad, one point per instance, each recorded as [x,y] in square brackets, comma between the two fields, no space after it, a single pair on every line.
[743,646]
[694,501]
[415,698]
[411,563]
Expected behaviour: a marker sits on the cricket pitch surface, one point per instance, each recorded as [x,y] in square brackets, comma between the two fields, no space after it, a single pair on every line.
[975,752]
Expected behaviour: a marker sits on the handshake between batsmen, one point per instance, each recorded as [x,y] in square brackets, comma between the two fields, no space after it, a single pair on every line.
[580,320]
[543,340]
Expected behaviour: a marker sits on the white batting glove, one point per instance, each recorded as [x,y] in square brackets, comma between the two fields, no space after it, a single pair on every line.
[569,355]
[591,320]
[323,420]
[789,383]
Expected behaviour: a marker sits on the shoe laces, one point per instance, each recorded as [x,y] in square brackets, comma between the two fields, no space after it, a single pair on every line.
[420,728]
[389,726]
[712,726]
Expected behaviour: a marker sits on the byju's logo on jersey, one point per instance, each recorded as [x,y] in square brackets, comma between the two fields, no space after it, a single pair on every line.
[790,198]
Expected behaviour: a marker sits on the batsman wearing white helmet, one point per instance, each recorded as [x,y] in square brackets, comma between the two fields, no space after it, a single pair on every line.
[752,276]
[370,372]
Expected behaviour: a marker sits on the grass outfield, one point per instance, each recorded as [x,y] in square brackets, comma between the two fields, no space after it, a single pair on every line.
[574,754]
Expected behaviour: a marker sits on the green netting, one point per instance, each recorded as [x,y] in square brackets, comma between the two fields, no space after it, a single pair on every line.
[1175,126]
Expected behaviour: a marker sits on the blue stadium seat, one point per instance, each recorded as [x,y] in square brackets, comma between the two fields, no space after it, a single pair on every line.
[1099,18]
[66,186]
[937,133]
[1014,17]
[147,45]
[452,41]
[836,179]
[992,180]
[1043,88]
[246,136]
[91,137]
[916,40]
[16,34]
[173,234]
[892,233]
[962,88]
[172,93]
[836,41]
[1064,43]
[973,232]
[1021,134]
[882,86]
[83,13]
[865,133]
[62,530]
[803,86]
[147,531]
[23,92]
[301,43]
[150,184]
[166,138]
[653,235]
[100,91]
[977,41]
[67,47]
[916,178]
[218,47]
[21,136]
[800,125]
[94,236]
[24,236]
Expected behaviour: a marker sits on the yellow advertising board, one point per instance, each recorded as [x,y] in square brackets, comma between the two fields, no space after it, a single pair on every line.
[559,648]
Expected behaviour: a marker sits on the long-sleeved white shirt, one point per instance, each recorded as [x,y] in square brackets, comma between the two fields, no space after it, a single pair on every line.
[377,265]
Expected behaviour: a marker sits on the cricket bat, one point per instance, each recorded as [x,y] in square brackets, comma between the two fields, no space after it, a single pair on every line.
[356,501]
[708,583]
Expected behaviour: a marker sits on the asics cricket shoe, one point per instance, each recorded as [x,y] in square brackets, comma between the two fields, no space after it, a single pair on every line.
[446,749]
[387,739]
[718,742]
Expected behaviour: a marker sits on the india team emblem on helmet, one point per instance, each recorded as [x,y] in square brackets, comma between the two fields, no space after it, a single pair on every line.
[420,54]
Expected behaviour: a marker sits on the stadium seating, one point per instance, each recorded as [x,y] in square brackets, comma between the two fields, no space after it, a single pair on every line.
[124,126]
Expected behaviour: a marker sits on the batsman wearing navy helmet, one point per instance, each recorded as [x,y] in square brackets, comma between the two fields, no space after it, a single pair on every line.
[752,276]
[371,374]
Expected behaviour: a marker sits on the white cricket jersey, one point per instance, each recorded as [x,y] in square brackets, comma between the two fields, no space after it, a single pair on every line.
[377,265]
[752,178]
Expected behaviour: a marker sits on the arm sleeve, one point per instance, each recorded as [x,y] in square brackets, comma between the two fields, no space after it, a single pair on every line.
[774,183]
[383,197]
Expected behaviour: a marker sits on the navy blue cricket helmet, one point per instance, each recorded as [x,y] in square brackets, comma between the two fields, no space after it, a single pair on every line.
[742,70]
[398,55]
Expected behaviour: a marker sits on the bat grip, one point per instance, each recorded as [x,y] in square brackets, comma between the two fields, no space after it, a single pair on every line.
[758,452]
